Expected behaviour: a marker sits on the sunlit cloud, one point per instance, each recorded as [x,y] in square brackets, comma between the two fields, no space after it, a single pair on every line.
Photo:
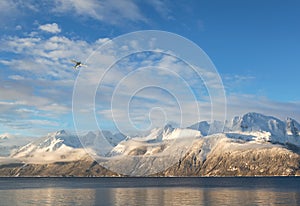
[51,28]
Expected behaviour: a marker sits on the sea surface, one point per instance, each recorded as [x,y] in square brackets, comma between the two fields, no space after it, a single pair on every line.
[151,191]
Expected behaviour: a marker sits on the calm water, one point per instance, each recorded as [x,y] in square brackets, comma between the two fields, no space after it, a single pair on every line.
[150,191]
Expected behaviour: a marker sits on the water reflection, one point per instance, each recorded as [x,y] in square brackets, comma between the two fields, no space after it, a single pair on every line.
[148,196]
[195,196]
[48,196]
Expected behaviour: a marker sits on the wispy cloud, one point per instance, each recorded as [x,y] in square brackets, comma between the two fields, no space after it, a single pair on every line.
[7,8]
[234,83]
[16,77]
[162,7]
[120,13]
[107,11]
[12,9]
[239,104]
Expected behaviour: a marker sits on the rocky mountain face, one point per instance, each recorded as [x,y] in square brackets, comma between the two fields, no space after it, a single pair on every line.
[237,158]
[223,158]
[86,167]
[251,145]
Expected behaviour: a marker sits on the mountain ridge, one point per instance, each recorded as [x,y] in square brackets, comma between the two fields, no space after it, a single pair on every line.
[167,150]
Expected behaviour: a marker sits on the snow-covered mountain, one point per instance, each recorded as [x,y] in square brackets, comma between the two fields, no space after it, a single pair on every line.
[152,153]
[255,126]
[64,146]
[162,147]
[55,146]
[254,122]
[156,142]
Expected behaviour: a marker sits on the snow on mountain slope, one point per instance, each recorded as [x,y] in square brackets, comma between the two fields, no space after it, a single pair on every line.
[52,142]
[156,134]
[256,127]
[253,122]
[139,158]
[57,146]
[62,146]
[152,153]
[267,128]
[162,147]
[154,142]
[218,143]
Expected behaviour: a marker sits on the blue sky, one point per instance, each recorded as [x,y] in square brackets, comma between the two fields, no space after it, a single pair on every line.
[254,45]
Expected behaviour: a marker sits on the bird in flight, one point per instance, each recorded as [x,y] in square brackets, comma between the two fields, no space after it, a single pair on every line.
[77,64]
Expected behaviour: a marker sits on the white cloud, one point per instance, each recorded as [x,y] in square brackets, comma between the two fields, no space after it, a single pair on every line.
[51,28]
[19,45]
[48,96]
[108,11]
[40,89]
[45,57]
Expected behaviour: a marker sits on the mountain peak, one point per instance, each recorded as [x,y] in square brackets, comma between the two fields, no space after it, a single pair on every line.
[203,127]
[61,132]
[57,133]
[255,122]
[253,116]
[168,128]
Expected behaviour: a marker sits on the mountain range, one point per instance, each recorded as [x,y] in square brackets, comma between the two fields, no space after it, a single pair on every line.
[250,145]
